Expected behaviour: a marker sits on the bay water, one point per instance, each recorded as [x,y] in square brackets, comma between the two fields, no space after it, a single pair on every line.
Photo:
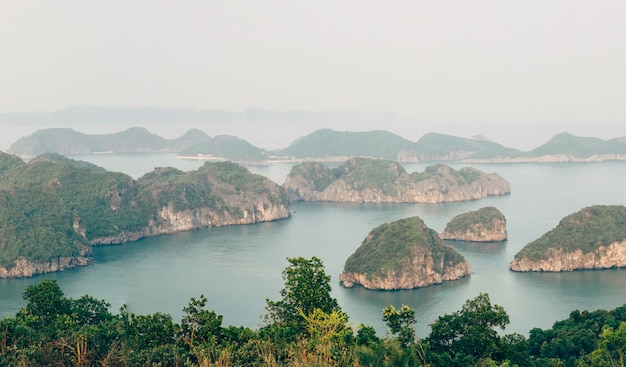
[238,267]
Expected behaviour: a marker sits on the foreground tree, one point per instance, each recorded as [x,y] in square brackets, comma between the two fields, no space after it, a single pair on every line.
[401,322]
[305,328]
[468,337]
[611,351]
[201,329]
[307,288]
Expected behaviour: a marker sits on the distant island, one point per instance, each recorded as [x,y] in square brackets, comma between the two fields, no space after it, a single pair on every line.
[54,209]
[404,254]
[193,143]
[486,224]
[322,145]
[384,181]
[592,238]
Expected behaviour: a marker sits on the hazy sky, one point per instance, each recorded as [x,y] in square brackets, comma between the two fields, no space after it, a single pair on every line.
[511,66]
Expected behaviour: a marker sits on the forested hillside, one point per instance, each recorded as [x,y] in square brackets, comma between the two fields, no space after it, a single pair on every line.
[52,209]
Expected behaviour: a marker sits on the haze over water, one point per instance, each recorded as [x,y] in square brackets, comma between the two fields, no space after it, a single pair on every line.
[238,267]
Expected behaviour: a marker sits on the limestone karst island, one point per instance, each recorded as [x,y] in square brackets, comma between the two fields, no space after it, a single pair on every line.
[54,209]
[486,224]
[403,254]
[592,238]
[384,181]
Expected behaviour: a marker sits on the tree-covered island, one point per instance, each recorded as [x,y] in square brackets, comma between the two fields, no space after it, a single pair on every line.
[592,238]
[384,181]
[403,254]
[483,225]
[53,209]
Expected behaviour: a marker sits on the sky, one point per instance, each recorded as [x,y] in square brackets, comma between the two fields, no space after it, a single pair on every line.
[516,72]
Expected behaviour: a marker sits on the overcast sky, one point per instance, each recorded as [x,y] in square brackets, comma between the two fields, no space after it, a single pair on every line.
[510,66]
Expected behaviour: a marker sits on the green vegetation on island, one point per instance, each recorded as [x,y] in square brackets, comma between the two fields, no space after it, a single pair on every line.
[319,174]
[434,146]
[364,173]
[54,207]
[390,246]
[403,249]
[70,141]
[483,216]
[226,146]
[380,180]
[326,143]
[484,224]
[51,207]
[585,230]
[579,147]
[305,327]
[137,139]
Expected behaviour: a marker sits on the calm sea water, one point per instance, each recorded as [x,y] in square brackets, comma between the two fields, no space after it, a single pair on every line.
[238,267]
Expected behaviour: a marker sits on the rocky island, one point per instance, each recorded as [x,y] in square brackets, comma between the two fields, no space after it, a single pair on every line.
[54,209]
[404,254]
[384,181]
[592,238]
[487,224]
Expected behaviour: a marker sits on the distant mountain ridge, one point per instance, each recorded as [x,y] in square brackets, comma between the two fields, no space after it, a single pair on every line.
[135,139]
[323,145]
[327,143]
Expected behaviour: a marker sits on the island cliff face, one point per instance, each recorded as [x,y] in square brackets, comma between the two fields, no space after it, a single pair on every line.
[23,267]
[53,210]
[593,238]
[487,224]
[557,260]
[381,181]
[169,221]
[404,254]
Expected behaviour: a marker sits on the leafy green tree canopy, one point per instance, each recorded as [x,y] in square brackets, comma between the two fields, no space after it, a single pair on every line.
[401,322]
[468,336]
[307,288]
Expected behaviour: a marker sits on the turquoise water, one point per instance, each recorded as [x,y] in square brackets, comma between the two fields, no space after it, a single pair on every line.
[238,267]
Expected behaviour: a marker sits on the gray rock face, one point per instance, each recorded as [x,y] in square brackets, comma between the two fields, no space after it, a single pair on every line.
[557,260]
[170,221]
[416,277]
[24,268]
[484,225]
